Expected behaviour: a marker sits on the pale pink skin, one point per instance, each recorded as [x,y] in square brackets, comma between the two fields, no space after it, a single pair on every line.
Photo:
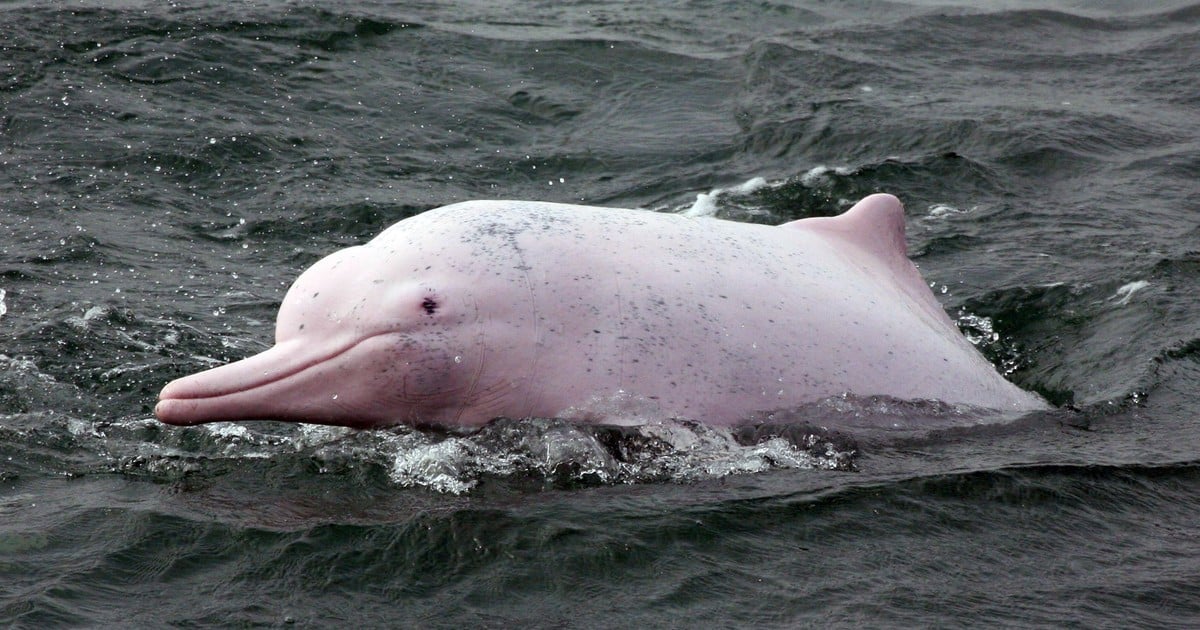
[486,309]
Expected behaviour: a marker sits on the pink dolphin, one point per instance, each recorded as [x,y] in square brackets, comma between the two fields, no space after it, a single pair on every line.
[486,309]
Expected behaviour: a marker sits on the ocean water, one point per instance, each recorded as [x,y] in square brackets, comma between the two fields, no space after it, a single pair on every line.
[167,169]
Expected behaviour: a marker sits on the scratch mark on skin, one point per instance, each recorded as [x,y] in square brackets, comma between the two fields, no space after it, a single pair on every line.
[620,335]
[474,397]
[491,399]
[534,391]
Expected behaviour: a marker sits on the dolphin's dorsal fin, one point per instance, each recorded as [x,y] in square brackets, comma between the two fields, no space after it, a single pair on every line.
[875,224]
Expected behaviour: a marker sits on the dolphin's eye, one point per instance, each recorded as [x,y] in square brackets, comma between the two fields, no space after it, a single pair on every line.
[430,305]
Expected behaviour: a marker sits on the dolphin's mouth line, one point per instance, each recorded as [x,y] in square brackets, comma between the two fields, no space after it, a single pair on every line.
[267,378]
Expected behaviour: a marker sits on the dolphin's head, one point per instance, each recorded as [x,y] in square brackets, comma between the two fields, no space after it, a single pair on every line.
[369,336]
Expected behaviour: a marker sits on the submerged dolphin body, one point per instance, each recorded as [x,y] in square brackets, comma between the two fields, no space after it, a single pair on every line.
[486,309]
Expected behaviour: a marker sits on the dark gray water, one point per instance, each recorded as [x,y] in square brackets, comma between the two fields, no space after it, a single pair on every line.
[167,170]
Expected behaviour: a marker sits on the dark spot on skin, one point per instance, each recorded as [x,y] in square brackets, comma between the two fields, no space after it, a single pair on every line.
[430,305]
[316,294]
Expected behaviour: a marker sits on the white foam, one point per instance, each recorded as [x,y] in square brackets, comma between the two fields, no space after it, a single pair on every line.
[228,430]
[557,450]
[83,322]
[1125,293]
[704,206]
[313,434]
[751,185]
[942,210]
[706,203]
[977,329]
[436,466]
[820,174]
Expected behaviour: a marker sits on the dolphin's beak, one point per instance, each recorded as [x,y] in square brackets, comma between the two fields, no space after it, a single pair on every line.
[237,391]
[292,381]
